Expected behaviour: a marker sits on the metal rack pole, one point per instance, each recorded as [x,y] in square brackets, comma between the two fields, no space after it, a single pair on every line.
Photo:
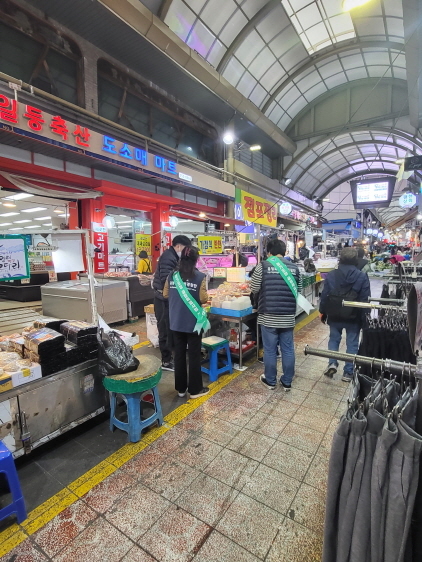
[376,299]
[383,364]
[370,305]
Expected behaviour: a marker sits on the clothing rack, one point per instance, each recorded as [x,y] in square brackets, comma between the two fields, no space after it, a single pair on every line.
[394,367]
[372,306]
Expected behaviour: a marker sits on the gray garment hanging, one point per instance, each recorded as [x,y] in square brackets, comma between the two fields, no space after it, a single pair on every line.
[351,484]
[360,550]
[403,478]
[336,470]
[379,488]
[410,409]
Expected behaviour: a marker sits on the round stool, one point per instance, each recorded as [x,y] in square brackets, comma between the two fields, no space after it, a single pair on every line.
[130,387]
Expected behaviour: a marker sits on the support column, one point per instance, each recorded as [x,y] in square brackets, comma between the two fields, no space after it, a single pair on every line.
[93,211]
[158,216]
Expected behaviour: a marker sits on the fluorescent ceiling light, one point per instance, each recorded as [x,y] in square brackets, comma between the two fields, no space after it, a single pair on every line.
[21,222]
[41,218]
[62,215]
[34,210]
[19,196]
[5,223]
[8,214]
[19,228]
[351,4]
[9,204]
[255,147]
[47,224]
[123,222]
[58,211]
[33,226]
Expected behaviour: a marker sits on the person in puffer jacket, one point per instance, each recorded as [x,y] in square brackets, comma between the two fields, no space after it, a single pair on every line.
[166,264]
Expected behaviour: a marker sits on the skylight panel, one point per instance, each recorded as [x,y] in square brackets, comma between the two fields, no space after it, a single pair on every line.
[319,23]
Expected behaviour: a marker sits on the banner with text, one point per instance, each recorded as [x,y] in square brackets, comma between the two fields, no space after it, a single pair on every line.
[258,210]
[143,242]
[210,244]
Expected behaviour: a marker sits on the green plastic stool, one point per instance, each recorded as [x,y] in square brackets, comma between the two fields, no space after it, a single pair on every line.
[131,391]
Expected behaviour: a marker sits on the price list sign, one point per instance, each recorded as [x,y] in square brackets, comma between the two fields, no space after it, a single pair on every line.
[13,258]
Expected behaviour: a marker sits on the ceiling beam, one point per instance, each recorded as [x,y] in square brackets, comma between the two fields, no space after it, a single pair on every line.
[238,40]
[369,172]
[164,9]
[320,157]
[412,20]
[328,53]
[417,143]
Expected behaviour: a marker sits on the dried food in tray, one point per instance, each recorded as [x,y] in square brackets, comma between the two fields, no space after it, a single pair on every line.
[48,322]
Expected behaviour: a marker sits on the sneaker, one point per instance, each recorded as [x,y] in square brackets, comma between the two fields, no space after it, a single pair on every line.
[330,371]
[182,394]
[202,392]
[286,387]
[346,377]
[168,366]
[264,382]
[260,360]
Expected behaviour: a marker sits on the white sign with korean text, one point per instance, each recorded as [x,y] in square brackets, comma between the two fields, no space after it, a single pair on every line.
[13,258]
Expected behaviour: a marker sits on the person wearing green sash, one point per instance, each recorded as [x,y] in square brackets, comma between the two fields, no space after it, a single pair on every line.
[186,290]
[277,284]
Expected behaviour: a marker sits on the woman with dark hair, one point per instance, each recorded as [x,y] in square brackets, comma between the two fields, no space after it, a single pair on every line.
[144,265]
[186,290]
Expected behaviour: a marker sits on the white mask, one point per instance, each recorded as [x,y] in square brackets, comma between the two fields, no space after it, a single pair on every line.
[179,254]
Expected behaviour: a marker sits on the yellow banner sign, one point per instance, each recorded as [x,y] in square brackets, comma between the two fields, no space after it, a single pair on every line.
[258,210]
[143,242]
[210,244]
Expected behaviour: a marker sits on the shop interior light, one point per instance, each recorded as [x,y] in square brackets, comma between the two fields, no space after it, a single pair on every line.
[42,218]
[5,224]
[287,181]
[123,222]
[33,226]
[351,4]
[9,204]
[19,196]
[255,147]
[419,217]
[108,221]
[173,221]
[34,210]
[47,224]
[228,138]
[57,210]
[21,222]
[202,215]
[18,228]
[8,214]
[227,224]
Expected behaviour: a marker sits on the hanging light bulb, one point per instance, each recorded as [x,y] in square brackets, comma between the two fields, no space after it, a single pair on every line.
[109,222]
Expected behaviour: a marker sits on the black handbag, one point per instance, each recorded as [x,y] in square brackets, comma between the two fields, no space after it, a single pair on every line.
[114,356]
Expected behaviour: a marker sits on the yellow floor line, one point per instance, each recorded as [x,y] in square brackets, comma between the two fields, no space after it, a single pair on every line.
[44,513]
[306,320]
[142,344]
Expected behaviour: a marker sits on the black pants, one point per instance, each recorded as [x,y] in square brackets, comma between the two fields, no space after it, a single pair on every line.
[161,309]
[193,341]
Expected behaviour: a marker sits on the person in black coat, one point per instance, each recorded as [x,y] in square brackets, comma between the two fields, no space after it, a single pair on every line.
[166,264]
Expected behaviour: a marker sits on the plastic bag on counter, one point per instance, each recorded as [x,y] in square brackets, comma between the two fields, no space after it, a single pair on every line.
[44,341]
[6,342]
[8,357]
[152,328]
[114,356]
[79,332]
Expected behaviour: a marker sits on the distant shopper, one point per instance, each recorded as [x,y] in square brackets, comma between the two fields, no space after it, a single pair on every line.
[166,265]
[242,260]
[186,291]
[276,282]
[144,265]
[362,262]
[350,284]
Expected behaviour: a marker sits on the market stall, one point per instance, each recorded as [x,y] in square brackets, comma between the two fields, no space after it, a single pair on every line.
[49,379]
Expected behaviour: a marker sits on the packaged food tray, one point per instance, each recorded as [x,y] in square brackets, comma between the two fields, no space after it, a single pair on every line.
[230,312]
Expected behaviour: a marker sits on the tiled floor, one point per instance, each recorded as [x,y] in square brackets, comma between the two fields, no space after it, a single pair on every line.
[241,479]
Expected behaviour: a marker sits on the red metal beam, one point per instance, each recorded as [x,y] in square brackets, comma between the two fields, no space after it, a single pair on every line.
[128,203]
[111,188]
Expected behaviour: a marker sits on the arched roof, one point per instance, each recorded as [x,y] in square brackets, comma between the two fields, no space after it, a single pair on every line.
[285,55]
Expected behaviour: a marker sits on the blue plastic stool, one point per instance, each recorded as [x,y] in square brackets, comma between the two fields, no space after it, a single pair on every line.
[213,344]
[132,392]
[7,466]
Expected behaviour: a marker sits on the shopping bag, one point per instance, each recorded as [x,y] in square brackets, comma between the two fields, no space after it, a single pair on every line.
[152,328]
[114,356]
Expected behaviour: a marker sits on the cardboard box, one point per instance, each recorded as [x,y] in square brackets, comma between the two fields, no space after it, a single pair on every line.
[149,309]
[28,374]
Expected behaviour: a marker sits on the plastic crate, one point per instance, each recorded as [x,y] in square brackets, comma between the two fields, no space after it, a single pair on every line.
[229,312]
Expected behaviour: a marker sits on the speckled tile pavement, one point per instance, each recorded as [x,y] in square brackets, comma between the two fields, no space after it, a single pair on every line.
[241,479]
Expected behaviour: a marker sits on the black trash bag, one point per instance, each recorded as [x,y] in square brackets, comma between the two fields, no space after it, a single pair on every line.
[114,356]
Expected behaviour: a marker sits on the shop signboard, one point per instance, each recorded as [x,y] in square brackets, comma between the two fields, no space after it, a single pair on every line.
[100,242]
[285,208]
[258,210]
[309,238]
[210,244]
[236,274]
[407,200]
[30,121]
[248,227]
[13,258]
[143,242]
